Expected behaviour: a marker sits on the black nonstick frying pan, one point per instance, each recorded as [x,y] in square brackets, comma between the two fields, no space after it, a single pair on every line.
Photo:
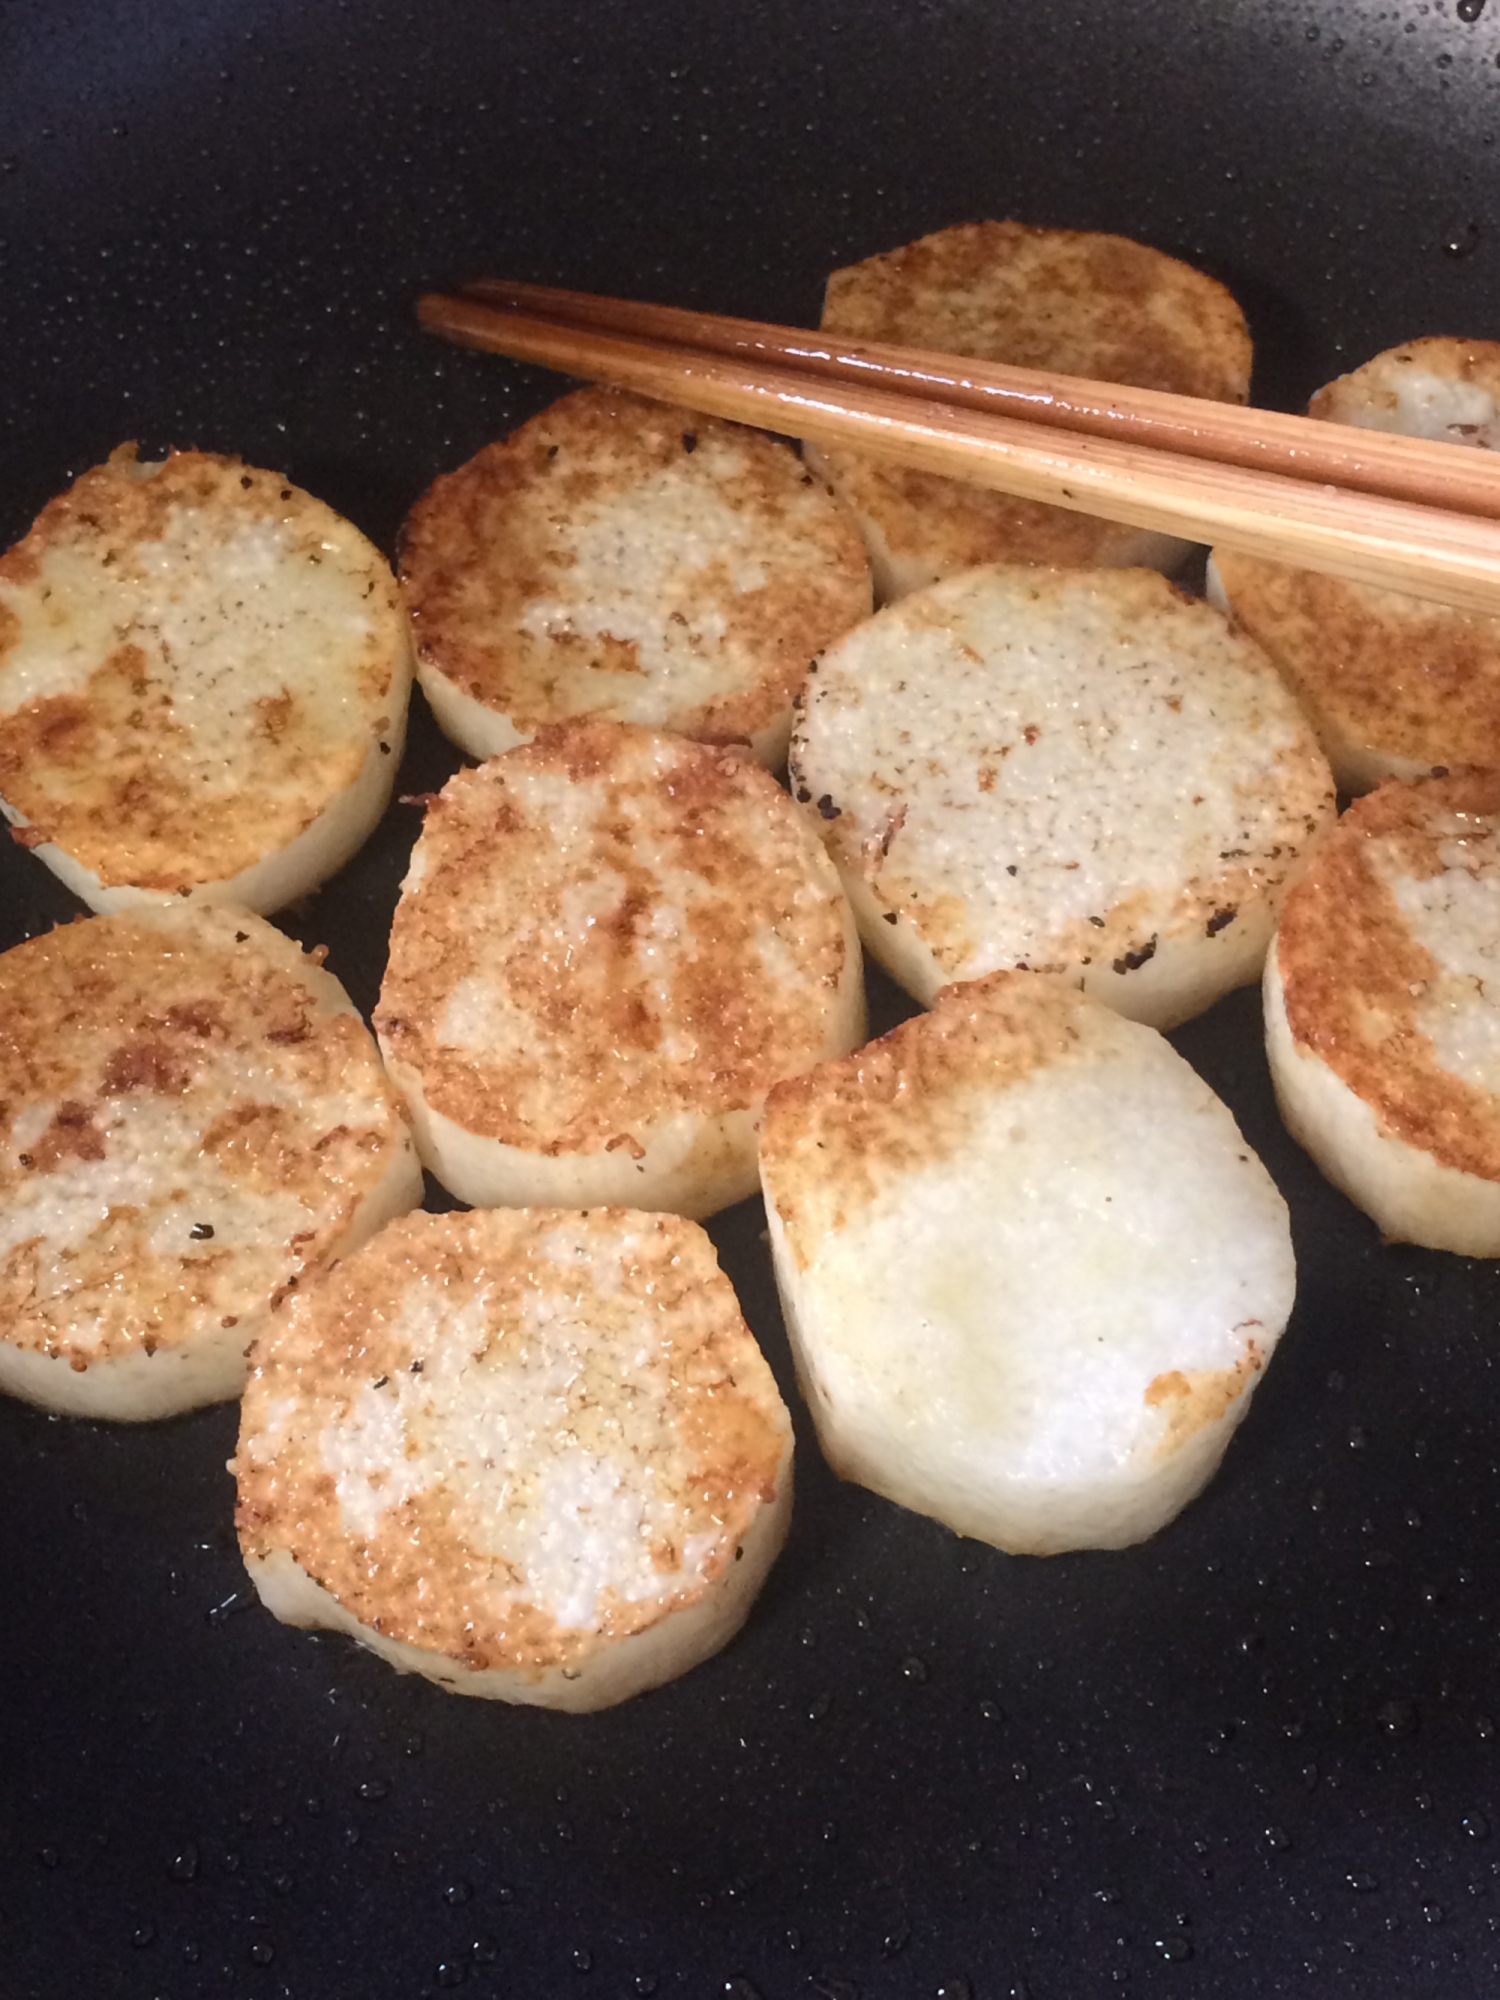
[1260,1755]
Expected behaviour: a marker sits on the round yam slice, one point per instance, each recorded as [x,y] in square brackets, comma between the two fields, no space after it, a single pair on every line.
[204,676]
[532,1454]
[1383,1010]
[192,1116]
[1070,301]
[619,558]
[1030,1270]
[609,946]
[1082,773]
[1395,686]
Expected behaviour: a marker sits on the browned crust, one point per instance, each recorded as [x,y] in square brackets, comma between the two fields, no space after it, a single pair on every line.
[1197,1398]
[833,1139]
[488,541]
[101,771]
[1406,678]
[1074,301]
[1114,309]
[598,1059]
[704,1402]
[1354,977]
[107,1013]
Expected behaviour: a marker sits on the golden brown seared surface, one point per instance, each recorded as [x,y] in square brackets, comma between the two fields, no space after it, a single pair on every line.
[838,1136]
[1383,951]
[1412,680]
[608,927]
[618,557]
[1194,1398]
[509,1434]
[1072,301]
[196,660]
[190,1115]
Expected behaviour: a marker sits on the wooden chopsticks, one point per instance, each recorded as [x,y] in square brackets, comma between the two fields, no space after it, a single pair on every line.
[1404,513]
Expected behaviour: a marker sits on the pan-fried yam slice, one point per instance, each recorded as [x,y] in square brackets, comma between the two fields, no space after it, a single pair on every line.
[1437,388]
[609,946]
[1062,299]
[1082,773]
[1030,1270]
[532,1454]
[192,1116]
[1394,686]
[204,676]
[618,558]
[1383,1010]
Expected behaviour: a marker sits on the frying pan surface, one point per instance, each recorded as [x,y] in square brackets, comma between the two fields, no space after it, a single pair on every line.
[1260,1755]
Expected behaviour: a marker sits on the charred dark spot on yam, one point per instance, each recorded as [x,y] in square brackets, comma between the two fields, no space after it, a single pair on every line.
[146,1065]
[71,1136]
[1220,920]
[1132,961]
[202,1018]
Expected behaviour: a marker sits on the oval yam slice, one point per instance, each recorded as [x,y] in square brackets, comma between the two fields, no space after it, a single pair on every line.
[1082,773]
[609,946]
[1382,1016]
[204,676]
[1030,1269]
[534,1455]
[192,1116]
[1072,301]
[619,558]
[1395,686]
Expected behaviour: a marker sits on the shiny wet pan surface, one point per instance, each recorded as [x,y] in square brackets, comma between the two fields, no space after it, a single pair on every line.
[1258,1755]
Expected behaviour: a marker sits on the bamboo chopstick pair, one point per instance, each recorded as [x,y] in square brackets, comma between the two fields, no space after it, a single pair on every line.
[1403,513]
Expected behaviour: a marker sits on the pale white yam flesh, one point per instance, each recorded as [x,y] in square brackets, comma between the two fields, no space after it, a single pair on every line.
[204,680]
[1070,301]
[620,558]
[533,1455]
[610,944]
[1382,1021]
[1029,1267]
[193,1116]
[474,725]
[482,730]
[1082,773]
[691,1164]
[1394,686]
